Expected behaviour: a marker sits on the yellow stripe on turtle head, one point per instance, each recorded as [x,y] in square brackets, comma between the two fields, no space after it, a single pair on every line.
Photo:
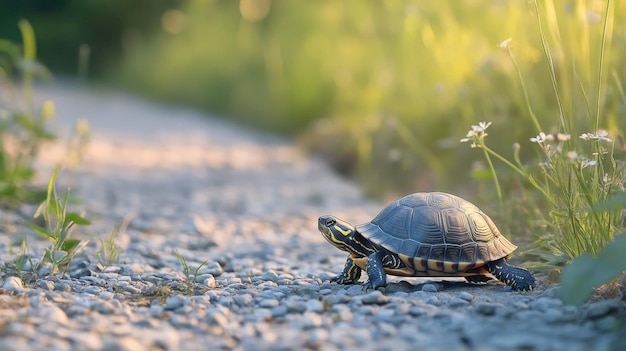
[345,232]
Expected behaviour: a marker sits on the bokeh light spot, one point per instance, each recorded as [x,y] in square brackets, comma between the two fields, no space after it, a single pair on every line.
[254,10]
[173,21]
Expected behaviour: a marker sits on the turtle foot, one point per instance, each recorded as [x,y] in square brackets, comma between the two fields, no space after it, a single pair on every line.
[342,279]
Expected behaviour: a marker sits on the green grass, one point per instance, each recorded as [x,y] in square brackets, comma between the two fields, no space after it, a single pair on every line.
[576,177]
[189,285]
[58,225]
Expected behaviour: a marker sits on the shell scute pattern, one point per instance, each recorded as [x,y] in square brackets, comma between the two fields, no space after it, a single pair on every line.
[438,230]
[426,226]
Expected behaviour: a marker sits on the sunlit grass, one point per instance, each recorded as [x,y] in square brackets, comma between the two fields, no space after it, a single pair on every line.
[577,171]
[385,88]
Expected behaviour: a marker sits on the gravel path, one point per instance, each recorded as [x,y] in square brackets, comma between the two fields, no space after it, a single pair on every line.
[248,203]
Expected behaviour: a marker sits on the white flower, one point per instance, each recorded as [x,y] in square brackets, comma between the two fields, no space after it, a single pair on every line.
[482,126]
[539,139]
[572,155]
[563,137]
[589,163]
[476,133]
[600,135]
[505,43]
[606,178]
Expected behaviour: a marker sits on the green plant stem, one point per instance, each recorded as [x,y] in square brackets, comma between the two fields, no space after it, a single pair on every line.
[546,52]
[601,63]
[494,175]
[525,91]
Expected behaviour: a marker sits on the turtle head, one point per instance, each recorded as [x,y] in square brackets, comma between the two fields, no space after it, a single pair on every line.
[339,233]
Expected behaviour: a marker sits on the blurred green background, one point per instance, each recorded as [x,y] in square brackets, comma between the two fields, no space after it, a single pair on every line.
[383,90]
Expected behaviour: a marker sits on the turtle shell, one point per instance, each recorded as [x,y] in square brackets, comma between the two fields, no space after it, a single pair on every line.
[437,233]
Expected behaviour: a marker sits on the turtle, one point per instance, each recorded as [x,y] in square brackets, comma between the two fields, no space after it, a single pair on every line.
[432,234]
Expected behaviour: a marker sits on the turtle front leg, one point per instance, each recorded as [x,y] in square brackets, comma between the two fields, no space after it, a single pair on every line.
[375,271]
[350,275]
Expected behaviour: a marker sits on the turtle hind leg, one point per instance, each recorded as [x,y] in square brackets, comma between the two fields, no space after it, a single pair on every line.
[517,278]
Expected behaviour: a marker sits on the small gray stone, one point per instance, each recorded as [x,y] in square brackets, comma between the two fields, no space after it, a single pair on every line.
[243,299]
[311,320]
[268,303]
[465,296]
[13,284]
[279,311]
[217,317]
[213,268]
[296,306]
[600,309]
[173,302]
[261,314]
[314,306]
[374,297]
[385,315]
[486,308]
[430,287]
[112,269]
[457,302]
[553,315]
[544,303]
[106,295]
[46,285]
[51,313]
[269,275]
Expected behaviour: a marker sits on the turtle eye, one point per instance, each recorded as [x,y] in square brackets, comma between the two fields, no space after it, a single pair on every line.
[330,222]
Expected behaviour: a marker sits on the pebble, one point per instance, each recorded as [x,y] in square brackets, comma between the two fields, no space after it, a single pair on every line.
[314,306]
[600,309]
[268,303]
[374,297]
[46,285]
[487,309]
[457,302]
[465,296]
[13,284]
[174,302]
[430,288]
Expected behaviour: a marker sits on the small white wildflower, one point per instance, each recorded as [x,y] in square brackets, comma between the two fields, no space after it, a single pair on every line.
[505,43]
[469,136]
[600,135]
[606,178]
[516,146]
[563,137]
[482,126]
[545,164]
[589,163]
[572,155]
[539,138]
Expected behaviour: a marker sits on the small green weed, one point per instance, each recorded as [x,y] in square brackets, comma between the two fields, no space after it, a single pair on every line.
[22,266]
[190,276]
[109,253]
[58,226]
